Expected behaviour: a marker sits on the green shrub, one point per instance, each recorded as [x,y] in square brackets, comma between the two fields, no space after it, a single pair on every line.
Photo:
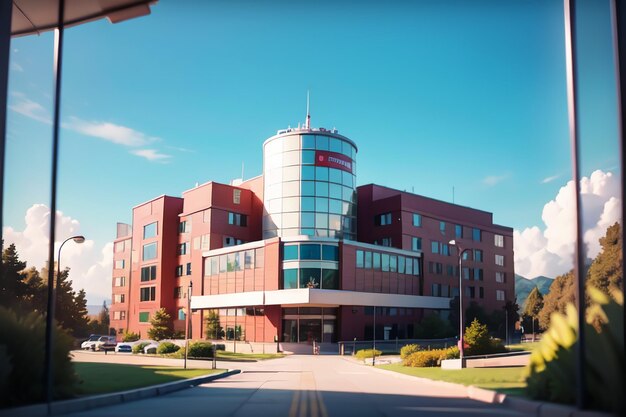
[408,349]
[23,340]
[430,358]
[479,342]
[130,337]
[367,353]
[200,350]
[167,347]
[138,348]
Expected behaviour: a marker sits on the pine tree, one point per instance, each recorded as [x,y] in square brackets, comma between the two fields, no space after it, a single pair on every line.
[213,329]
[534,304]
[12,286]
[606,269]
[104,318]
[161,324]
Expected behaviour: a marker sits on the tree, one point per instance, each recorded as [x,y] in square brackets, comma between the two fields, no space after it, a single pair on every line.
[561,293]
[36,294]
[12,286]
[213,329]
[161,324]
[606,270]
[534,304]
[104,318]
[71,308]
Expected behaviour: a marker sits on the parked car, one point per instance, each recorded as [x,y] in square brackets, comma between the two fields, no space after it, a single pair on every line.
[105,343]
[126,347]
[151,348]
[88,344]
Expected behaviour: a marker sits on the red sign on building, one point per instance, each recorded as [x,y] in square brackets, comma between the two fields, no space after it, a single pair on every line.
[333,160]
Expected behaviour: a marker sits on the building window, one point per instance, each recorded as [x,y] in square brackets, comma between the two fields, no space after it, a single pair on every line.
[147,294]
[466,272]
[417,220]
[189,267]
[368,260]
[119,264]
[120,246]
[500,276]
[498,241]
[205,241]
[499,295]
[310,277]
[330,253]
[481,292]
[450,270]
[178,292]
[445,249]
[393,263]
[184,226]
[236,196]
[386,241]
[383,219]
[434,246]
[181,314]
[119,315]
[458,231]
[148,273]
[290,252]
[144,317]
[149,252]
[377,260]
[237,219]
[360,259]
[478,255]
[182,249]
[500,260]
[290,278]
[150,230]
[470,292]
[228,241]
[119,282]
[119,298]
[179,271]
[478,274]
[442,227]
[435,290]
[416,243]
[476,235]
[385,262]
[310,251]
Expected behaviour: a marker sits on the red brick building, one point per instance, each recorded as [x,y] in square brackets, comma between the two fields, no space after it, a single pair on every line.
[301,253]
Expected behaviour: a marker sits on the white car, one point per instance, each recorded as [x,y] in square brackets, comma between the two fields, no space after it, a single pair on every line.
[151,348]
[88,344]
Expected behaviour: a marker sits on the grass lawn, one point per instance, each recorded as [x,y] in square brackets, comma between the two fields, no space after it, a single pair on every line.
[505,380]
[100,378]
[522,347]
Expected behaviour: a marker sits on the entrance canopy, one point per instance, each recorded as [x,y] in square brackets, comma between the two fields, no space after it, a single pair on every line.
[36,16]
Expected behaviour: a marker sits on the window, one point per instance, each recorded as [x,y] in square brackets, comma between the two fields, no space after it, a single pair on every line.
[450,270]
[478,274]
[150,230]
[445,249]
[478,255]
[499,295]
[383,219]
[393,264]
[147,294]
[500,276]
[120,282]
[249,259]
[205,241]
[144,317]
[476,235]
[386,241]
[120,246]
[310,277]
[189,267]
[442,227]
[470,292]
[237,219]
[481,292]
[182,249]
[310,251]
[466,273]
[290,278]
[119,315]
[184,226]
[434,246]
[417,220]
[360,259]
[385,263]
[290,252]
[500,260]
[236,196]
[330,279]
[149,251]
[119,298]
[458,230]
[498,240]
[330,253]
[368,260]
[181,314]
[119,264]
[435,290]
[409,266]
[401,264]
[179,271]
[148,273]
[416,243]
[178,292]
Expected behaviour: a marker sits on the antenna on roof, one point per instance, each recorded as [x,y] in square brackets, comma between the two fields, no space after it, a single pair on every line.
[308,114]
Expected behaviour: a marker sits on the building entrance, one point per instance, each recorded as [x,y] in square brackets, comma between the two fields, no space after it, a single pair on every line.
[309,324]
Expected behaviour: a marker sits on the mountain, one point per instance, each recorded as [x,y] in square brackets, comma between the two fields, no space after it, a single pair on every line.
[523,287]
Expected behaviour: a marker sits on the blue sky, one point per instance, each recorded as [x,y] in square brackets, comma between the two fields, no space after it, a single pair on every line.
[436,94]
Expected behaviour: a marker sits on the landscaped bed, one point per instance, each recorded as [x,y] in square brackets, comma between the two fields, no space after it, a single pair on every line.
[100,378]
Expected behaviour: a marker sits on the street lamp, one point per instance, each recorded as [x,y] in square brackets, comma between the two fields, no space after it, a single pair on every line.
[189,289]
[461,252]
[50,319]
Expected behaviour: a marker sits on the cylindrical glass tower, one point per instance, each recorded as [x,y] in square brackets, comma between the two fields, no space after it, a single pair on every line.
[309,184]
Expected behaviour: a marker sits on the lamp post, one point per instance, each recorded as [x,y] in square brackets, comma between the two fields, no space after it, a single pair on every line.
[189,289]
[461,252]
[50,320]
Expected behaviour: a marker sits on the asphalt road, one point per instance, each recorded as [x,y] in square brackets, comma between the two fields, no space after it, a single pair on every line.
[306,386]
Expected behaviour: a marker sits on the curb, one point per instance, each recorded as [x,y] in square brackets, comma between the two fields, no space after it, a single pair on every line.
[104,400]
[528,407]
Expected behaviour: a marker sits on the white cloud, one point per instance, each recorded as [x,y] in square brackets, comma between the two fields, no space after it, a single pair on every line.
[549,179]
[16,67]
[551,252]
[151,155]
[29,108]
[492,180]
[90,267]
[111,132]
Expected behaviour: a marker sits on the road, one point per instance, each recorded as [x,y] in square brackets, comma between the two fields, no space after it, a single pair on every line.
[307,386]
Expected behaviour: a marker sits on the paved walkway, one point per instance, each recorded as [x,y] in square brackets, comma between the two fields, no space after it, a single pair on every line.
[302,386]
